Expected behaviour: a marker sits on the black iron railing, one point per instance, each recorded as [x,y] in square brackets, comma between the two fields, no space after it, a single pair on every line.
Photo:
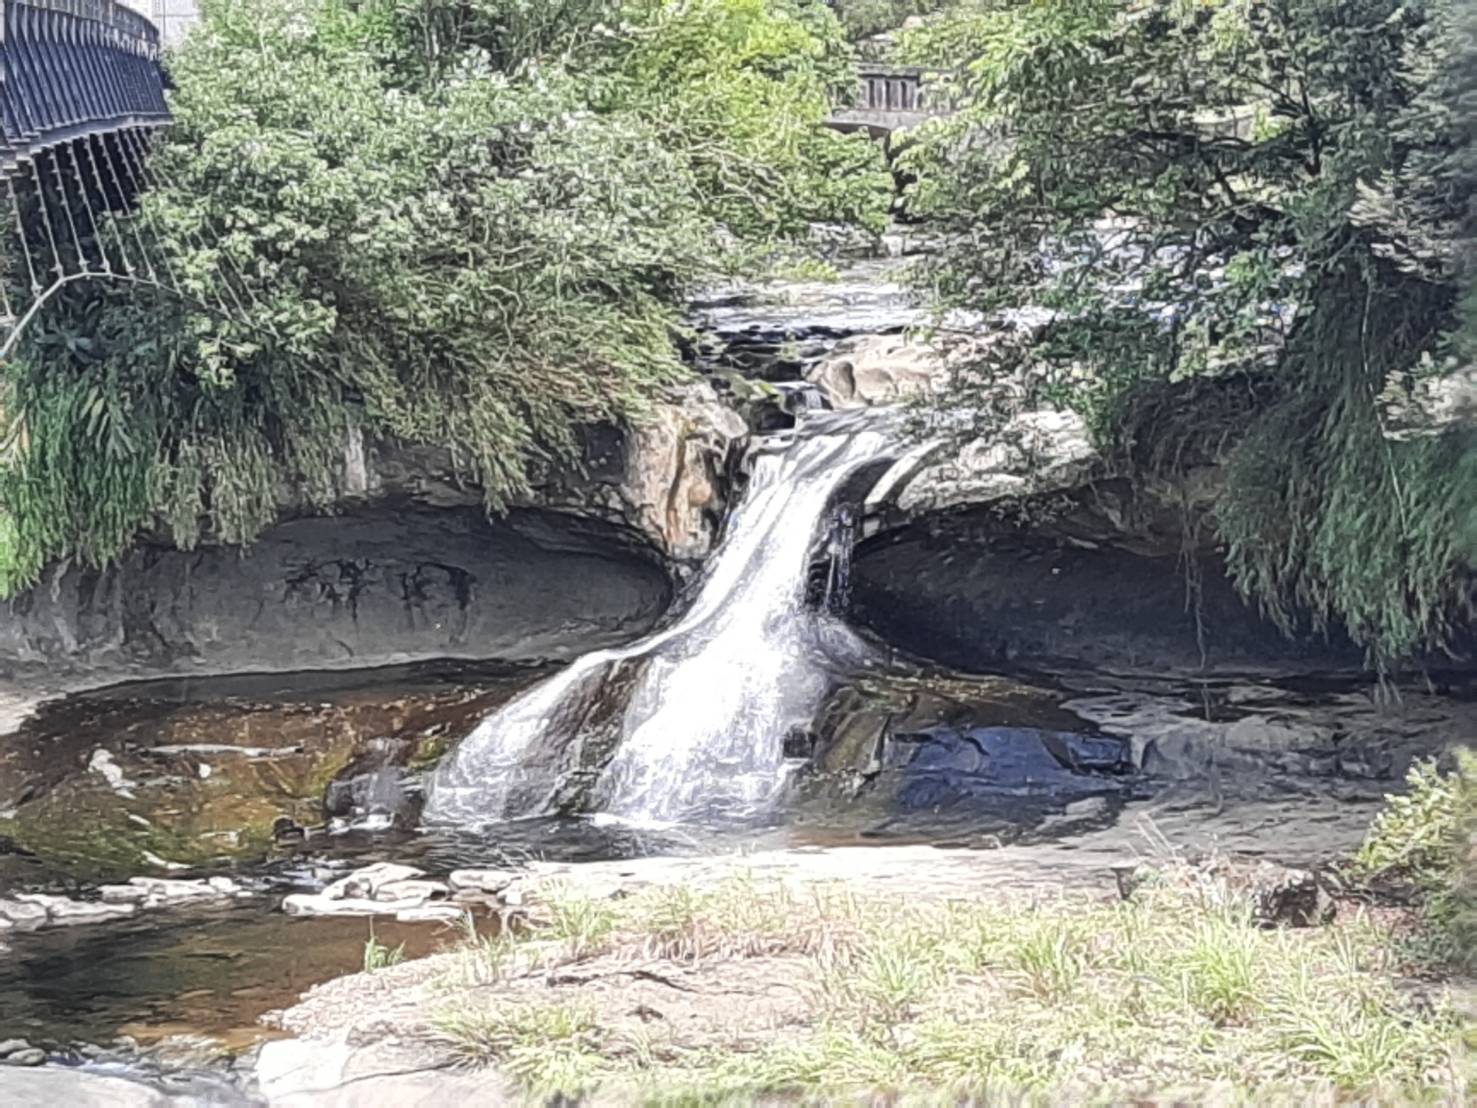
[71,69]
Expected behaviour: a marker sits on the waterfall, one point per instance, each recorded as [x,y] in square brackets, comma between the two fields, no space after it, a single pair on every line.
[700,709]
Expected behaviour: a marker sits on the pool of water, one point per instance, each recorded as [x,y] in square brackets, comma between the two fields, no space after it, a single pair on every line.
[183,972]
[202,767]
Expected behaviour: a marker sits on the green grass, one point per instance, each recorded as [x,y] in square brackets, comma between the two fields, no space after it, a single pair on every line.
[1426,841]
[378,956]
[1066,999]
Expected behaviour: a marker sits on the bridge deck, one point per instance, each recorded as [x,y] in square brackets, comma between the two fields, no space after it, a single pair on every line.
[74,68]
[888,98]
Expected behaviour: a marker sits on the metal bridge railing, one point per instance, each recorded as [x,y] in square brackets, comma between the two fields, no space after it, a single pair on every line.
[74,68]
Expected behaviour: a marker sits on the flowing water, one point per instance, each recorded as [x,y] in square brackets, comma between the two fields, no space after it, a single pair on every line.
[704,705]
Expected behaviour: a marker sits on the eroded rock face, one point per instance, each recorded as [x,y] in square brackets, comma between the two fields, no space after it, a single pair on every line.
[973,590]
[411,567]
[870,370]
[653,486]
[377,586]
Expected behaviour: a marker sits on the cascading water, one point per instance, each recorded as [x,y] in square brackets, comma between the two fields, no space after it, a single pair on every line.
[709,699]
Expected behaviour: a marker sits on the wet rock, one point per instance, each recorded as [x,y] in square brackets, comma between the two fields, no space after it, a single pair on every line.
[431,913]
[1284,897]
[151,891]
[13,1046]
[364,882]
[483,880]
[273,741]
[385,888]
[410,889]
[30,1056]
[376,789]
[22,915]
[30,910]
[316,904]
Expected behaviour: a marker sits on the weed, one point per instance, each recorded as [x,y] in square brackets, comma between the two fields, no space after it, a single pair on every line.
[378,956]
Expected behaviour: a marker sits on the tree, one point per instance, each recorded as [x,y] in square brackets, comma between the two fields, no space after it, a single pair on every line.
[465,223]
[1267,193]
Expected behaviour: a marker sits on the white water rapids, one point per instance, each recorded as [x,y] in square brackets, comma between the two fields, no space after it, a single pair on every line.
[709,699]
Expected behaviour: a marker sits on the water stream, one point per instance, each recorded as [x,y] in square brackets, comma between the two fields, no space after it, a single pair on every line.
[703,706]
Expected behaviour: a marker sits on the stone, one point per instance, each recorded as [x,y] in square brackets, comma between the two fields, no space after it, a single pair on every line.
[1284,897]
[428,581]
[373,790]
[173,889]
[1132,876]
[30,1056]
[318,1073]
[12,1046]
[318,904]
[48,1086]
[122,894]
[482,880]
[64,910]
[431,913]
[411,889]
[364,882]
[667,479]
[870,370]
[22,915]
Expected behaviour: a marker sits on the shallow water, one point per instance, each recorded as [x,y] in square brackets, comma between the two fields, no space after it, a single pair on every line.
[174,972]
[963,760]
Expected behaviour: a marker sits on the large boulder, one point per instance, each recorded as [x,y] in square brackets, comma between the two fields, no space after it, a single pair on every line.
[656,480]
[870,370]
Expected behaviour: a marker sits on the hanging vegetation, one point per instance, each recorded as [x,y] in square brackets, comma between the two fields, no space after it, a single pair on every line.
[1272,197]
[463,223]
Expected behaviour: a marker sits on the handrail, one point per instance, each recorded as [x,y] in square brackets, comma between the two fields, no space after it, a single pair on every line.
[111,13]
[74,68]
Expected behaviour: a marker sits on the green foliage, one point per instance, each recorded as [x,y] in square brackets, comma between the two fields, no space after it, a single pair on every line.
[460,224]
[378,956]
[869,17]
[1269,196]
[1427,837]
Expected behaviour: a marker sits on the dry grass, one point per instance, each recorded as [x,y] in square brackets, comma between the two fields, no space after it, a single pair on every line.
[1060,999]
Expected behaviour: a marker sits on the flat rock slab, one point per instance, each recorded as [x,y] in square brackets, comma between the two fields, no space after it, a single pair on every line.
[298,1073]
[58,1087]
[366,882]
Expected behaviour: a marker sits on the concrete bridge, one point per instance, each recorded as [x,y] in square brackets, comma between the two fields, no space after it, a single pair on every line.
[888,98]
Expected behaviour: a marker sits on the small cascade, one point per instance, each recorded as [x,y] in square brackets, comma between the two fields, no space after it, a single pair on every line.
[698,711]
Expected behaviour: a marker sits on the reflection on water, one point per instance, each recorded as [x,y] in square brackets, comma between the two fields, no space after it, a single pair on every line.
[196,972]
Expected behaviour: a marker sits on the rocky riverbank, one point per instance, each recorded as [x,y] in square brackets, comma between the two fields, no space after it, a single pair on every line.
[784,971]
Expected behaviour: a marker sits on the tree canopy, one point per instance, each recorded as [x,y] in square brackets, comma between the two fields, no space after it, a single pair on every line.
[464,223]
[1273,199]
